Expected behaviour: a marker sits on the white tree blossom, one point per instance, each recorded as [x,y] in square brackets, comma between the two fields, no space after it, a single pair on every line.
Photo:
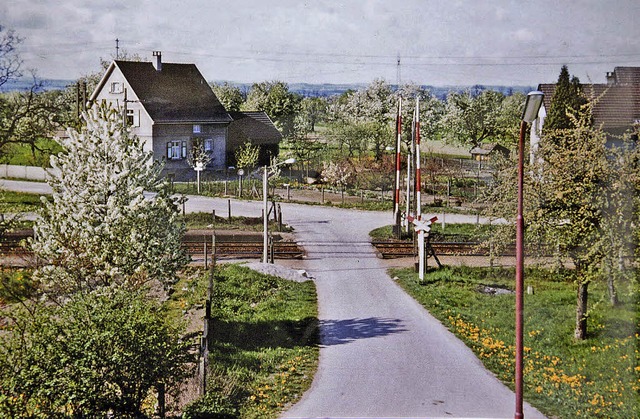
[110,219]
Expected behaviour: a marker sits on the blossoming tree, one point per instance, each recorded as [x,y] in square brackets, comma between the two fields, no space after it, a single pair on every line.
[110,219]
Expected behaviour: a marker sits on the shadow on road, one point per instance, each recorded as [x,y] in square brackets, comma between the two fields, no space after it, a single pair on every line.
[339,332]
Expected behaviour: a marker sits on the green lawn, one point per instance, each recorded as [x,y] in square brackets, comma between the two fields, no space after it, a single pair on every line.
[264,345]
[13,202]
[451,232]
[598,377]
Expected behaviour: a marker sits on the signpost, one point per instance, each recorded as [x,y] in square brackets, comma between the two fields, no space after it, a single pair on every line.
[421,227]
[199,167]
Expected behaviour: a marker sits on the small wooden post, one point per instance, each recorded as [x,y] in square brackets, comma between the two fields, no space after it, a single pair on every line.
[206,254]
[279,218]
[213,217]
[271,249]
[229,204]
[213,260]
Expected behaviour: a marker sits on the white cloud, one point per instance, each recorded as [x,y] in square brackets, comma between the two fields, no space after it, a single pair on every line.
[328,40]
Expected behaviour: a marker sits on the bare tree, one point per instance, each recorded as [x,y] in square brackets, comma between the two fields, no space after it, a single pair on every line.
[10,61]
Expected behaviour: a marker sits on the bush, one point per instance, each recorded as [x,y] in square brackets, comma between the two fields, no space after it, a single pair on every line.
[101,353]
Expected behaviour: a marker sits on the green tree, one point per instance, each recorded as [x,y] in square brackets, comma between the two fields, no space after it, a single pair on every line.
[101,353]
[580,203]
[312,110]
[29,117]
[565,102]
[275,99]
[473,119]
[362,120]
[247,156]
[99,227]
[229,95]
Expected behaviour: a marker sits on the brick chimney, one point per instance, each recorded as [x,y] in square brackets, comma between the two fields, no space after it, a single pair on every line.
[158,62]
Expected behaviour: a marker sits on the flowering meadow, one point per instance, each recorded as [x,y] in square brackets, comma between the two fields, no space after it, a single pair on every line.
[598,377]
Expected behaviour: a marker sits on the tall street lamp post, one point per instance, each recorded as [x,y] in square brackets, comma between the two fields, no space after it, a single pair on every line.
[265,218]
[530,113]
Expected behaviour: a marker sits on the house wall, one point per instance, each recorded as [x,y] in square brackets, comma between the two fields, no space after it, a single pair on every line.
[113,93]
[168,133]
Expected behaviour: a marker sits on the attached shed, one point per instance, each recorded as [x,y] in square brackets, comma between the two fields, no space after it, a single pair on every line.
[258,129]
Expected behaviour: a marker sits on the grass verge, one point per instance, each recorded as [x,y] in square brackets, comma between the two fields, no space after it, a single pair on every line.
[14,202]
[200,220]
[597,377]
[263,343]
[451,233]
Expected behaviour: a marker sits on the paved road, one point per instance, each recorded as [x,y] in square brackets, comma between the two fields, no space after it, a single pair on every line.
[382,354]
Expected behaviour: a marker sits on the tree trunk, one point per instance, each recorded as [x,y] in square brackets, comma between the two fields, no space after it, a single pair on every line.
[581,309]
[611,287]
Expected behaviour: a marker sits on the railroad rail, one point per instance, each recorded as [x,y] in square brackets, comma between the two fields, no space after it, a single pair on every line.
[400,249]
[236,247]
[243,249]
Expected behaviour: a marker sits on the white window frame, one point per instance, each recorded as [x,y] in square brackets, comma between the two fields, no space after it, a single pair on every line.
[197,129]
[133,117]
[176,150]
[208,145]
[116,87]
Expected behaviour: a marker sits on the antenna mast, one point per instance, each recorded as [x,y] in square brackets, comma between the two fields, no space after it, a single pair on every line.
[117,49]
[398,73]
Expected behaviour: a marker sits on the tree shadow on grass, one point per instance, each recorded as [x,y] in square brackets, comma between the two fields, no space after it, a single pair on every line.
[253,336]
[306,332]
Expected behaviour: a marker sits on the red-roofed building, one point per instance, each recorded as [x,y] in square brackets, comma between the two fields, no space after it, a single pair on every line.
[617,106]
[169,106]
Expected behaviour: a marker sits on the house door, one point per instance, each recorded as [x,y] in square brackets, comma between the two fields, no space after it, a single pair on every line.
[219,153]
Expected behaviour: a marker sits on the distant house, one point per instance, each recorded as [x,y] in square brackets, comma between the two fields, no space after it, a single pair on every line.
[171,106]
[617,109]
[485,151]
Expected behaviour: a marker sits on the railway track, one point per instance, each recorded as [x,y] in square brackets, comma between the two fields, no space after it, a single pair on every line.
[237,247]
[395,249]
[249,247]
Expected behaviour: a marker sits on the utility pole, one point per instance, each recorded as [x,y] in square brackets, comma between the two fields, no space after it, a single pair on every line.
[117,49]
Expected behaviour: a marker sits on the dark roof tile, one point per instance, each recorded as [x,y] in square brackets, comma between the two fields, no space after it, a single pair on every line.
[255,126]
[177,93]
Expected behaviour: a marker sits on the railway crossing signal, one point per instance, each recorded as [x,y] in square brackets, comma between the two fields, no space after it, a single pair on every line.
[422,227]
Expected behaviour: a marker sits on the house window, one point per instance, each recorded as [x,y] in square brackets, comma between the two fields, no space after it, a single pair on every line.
[176,150]
[115,87]
[208,145]
[133,118]
[196,129]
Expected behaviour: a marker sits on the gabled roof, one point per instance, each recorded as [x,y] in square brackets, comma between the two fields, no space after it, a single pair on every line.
[624,75]
[176,94]
[617,106]
[256,127]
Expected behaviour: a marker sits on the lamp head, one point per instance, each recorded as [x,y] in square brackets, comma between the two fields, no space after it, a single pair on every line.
[289,161]
[532,106]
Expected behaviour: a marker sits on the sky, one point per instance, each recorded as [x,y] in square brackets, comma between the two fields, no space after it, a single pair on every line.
[438,42]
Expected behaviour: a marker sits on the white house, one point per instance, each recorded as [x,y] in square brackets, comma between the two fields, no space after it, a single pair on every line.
[170,106]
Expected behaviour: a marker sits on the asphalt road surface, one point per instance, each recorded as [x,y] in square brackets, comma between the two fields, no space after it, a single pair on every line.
[382,354]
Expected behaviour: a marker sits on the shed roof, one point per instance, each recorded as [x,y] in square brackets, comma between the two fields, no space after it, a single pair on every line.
[255,126]
[177,93]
